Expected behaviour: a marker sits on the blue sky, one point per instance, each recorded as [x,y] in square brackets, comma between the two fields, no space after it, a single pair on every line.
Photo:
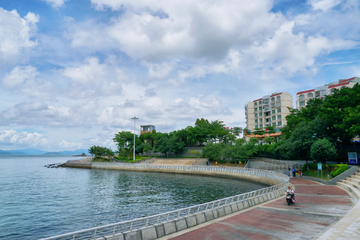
[73,73]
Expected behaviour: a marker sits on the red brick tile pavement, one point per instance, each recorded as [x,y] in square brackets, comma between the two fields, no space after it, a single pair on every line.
[308,217]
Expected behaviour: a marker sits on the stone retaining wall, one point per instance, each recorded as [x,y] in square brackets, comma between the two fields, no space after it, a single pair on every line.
[214,173]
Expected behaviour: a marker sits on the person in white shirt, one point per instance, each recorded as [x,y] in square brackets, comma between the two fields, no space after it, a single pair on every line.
[290,191]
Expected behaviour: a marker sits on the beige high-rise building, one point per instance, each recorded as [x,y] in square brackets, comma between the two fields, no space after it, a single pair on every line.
[304,96]
[269,110]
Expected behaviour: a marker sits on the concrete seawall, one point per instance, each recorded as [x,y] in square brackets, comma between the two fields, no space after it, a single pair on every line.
[210,171]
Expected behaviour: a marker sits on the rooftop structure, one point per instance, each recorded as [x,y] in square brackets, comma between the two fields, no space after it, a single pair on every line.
[304,96]
[146,128]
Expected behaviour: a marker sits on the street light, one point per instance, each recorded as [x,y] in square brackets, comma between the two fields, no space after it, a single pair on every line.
[134,135]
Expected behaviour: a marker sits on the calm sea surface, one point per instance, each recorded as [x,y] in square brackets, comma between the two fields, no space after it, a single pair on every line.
[37,202]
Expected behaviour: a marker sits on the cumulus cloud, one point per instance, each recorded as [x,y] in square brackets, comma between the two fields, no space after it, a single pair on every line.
[36,113]
[160,30]
[18,76]
[151,108]
[12,138]
[16,35]
[192,39]
[324,5]
[25,80]
[93,79]
[287,53]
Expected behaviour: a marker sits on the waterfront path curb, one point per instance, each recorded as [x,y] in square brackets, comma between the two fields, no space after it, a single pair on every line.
[317,211]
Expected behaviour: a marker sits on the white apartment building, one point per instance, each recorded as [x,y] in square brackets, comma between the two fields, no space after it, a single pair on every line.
[270,110]
[304,96]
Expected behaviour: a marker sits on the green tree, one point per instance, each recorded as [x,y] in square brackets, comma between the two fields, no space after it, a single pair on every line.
[97,151]
[169,144]
[125,141]
[323,150]
[213,151]
[300,141]
[270,140]
[109,153]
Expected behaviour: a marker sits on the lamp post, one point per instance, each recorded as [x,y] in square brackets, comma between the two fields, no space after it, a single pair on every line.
[134,118]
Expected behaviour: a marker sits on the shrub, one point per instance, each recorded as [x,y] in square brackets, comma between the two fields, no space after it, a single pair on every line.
[340,168]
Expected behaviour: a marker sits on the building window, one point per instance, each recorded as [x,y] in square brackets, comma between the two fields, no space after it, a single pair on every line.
[255,116]
[278,98]
[279,116]
[273,99]
[310,95]
[273,111]
[261,120]
[260,114]
[274,124]
[260,125]
[260,108]
[302,97]
[268,120]
[255,109]
[279,123]
[260,102]
[255,104]
[302,103]
[255,120]
[279,110]
[273,118]
[256,126]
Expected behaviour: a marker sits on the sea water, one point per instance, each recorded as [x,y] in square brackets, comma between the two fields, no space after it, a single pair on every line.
[38,202]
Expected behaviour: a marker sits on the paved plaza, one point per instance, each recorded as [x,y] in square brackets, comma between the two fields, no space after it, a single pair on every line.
[320,211]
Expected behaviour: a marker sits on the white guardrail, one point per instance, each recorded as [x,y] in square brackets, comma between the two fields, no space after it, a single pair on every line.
[131,225]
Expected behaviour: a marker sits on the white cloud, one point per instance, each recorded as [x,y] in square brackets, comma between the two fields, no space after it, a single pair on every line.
[16,34]
[197,38]
[22,138]
[25,80]
[55,3]
[94,79]
[287,53]
[18,76]
[324,5]
[157,108]
[161,30]
[15,139]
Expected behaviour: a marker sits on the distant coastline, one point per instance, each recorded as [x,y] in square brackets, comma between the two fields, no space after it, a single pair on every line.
[31,151]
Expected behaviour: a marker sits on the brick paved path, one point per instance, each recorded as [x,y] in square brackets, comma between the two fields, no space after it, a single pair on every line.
[317,207]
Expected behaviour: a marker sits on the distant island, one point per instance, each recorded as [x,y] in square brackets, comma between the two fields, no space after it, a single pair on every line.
[32,151]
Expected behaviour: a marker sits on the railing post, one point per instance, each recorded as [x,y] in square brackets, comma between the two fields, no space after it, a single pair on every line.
[95,234]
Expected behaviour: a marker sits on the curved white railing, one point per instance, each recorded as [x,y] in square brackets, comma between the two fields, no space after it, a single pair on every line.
[125,226]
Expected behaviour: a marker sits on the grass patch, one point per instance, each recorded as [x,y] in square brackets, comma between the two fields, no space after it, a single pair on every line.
[99,159]
[137,158]
[332,170]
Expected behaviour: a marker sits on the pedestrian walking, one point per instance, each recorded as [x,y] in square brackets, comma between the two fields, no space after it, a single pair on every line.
[294,172]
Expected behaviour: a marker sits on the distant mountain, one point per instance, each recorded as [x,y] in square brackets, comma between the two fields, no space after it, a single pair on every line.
[76,152]
[2,152]
[51,153]
[32,151]
[11,152]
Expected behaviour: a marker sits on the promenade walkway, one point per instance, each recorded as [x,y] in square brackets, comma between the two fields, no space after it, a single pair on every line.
[317,213]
